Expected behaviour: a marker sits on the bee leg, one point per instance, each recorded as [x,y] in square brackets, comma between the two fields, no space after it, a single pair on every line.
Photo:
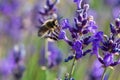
[55,35]
[56,32]
[51,37]
[49,32]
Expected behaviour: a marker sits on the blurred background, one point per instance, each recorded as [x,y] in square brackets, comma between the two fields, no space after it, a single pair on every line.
[19,40]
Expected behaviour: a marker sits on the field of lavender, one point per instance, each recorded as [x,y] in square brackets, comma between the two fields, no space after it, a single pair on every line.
[59,39]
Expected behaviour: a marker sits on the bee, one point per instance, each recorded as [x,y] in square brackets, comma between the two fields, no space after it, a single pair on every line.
[49,29]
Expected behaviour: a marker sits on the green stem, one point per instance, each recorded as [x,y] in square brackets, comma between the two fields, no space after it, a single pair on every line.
[46,48]
[46,56]
[72,68]
[103,76]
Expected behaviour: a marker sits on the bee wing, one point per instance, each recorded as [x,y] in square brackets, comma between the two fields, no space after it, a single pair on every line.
[42,31]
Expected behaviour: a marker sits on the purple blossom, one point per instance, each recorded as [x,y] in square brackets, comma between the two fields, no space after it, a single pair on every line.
[66,24]
[9,7]
[49,11]
[6,66]
[109,46]
[83,24]
[62,35]
[49,7]
[14,27]
[13,62]
[97,38]
[12,23]
[77,46]
[78,2]
[92,26]
[108,60]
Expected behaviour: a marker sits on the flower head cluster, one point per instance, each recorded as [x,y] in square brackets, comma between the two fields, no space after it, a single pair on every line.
[11,22]
[83,32]
[83,25]
[9,7]
[110,45]
[14,27]
[13,64]
[49,11]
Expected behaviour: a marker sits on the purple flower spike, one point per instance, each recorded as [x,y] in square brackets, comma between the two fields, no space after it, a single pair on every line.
[13,64]
[8,8]
[6,66]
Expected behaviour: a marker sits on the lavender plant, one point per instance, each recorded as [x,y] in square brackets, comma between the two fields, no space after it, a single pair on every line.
[13,64]
[12,21]
[84,24]
[83,33]
[110,46]
[85,42]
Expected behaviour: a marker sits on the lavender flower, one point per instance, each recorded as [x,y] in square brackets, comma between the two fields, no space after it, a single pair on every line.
[82,33]
[12,22]
[13,64]
[83,24]
[49,11]
[9,7]
[6,66]
[110,45]
[14,27]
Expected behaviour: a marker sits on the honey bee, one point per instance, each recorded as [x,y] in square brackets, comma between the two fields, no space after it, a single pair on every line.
[49,29]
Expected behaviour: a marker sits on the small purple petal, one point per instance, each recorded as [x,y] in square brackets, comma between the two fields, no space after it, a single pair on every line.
[77,46]
[108,59]
[79,54]
[62,35]
[112,28]
[65,24]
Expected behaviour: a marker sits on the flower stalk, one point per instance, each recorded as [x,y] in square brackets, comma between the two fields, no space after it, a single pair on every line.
[72,68]
[103,76]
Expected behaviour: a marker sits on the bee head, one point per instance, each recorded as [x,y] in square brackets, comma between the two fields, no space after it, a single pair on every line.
[55,22]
